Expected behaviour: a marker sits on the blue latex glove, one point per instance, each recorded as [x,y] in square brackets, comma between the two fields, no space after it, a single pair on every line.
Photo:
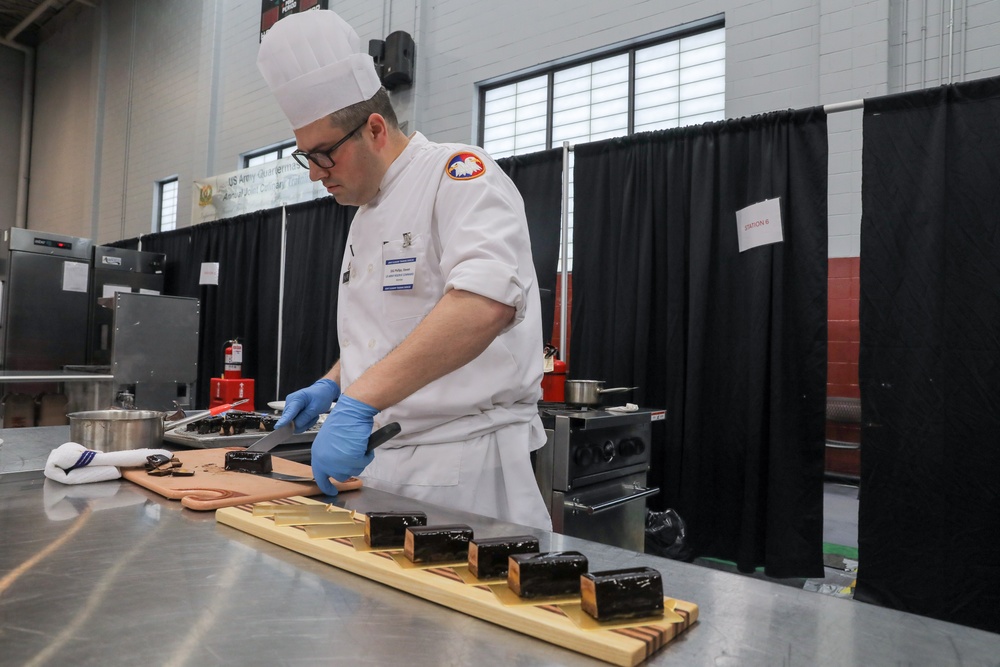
[306,405]
[340,447]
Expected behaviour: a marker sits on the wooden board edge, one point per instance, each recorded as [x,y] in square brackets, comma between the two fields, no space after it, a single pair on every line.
[194,502]
[208,499]
[625,648]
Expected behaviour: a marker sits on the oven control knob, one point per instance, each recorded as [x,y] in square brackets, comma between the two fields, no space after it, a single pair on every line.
[632,447]
[608,451]
[582,456]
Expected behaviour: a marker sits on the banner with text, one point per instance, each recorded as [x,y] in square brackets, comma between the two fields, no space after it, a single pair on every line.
[272,11]
[265,186]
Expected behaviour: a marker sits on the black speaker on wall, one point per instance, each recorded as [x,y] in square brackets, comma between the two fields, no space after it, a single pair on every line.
[393,59]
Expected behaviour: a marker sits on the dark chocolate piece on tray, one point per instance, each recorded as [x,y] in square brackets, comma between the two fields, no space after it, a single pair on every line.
[387,530]
[488,557]
[258,463]
[437,544]
[613,595]
[209,425]
[553,573]
[234,423]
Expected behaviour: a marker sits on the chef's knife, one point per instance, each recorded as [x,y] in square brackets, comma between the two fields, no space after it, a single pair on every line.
[279,435]
[273,439]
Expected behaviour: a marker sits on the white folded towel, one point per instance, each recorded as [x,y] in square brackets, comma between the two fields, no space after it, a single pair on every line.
[72,463]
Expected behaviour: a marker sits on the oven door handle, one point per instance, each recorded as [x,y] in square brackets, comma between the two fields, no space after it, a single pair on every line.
[640,492]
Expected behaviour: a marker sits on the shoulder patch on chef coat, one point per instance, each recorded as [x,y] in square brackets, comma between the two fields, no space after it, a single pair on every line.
[464,166]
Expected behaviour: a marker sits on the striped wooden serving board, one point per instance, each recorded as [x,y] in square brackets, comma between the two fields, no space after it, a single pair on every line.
[626,646]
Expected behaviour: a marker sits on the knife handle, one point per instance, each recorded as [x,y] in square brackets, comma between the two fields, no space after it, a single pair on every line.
[383,435]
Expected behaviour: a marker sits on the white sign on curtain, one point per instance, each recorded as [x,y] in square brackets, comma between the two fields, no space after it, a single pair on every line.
[209,274]
[759,224]
[269,185]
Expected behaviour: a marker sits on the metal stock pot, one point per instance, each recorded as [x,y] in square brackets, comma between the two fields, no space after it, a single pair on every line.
[116,430]
[587,393]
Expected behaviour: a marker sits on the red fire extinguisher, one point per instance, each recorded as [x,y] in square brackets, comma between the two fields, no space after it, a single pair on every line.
[554,379]
[233,367]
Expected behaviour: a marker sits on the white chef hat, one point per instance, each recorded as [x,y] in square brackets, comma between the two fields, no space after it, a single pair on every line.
[313,65]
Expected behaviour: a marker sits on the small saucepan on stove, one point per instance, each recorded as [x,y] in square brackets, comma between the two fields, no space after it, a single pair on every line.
[588,393]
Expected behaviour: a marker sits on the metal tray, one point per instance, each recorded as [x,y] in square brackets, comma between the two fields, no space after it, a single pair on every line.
[296,448]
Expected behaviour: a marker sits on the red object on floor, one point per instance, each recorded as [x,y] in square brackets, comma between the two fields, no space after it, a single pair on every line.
[225,390]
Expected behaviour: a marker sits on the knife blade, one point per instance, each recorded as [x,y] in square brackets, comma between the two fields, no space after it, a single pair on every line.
[273,439]
[279,435]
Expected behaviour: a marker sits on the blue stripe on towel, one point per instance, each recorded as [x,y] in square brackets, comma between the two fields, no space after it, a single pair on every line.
[85,458]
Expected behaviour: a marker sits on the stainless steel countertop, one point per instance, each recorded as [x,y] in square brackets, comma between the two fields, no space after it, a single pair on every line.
[110,574]
[23,450]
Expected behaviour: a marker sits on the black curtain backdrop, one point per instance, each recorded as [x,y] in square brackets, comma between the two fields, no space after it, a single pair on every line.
[315,245]
[243,305]
[538,178]
[732,344]
[930,354]
[248,247]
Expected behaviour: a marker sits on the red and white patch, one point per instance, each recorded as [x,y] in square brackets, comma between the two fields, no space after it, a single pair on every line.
[464,166]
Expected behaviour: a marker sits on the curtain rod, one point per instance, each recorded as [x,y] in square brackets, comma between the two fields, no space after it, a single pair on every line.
[844,106]
[836,107]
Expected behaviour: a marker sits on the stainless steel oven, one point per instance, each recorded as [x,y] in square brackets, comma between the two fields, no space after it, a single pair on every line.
[592,472]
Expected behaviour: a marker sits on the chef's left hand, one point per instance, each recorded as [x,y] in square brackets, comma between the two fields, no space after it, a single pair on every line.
[340,447]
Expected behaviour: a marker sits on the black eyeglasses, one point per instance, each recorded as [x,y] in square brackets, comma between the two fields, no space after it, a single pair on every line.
[322,159]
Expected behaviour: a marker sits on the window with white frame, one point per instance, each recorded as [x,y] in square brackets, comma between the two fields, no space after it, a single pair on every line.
[651,84]
[269,154]
[166,205]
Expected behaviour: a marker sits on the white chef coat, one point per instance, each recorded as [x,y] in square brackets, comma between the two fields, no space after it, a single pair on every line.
[463,228]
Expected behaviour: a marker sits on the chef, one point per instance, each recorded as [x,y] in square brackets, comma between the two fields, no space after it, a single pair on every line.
[439,319]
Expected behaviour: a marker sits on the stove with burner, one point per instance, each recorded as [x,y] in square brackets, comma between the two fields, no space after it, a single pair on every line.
[592,472]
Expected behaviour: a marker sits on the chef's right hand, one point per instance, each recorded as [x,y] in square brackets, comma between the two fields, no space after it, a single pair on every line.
[306,405]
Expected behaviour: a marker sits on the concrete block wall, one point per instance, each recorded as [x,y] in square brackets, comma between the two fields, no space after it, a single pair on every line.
[138,91]
[62,141]
[12,78]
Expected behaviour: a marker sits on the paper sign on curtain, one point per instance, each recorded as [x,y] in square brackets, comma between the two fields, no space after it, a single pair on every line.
[209,273]
[759,224]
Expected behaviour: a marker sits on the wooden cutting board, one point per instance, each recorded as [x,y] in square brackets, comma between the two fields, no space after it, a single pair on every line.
[625,646]
[212,486]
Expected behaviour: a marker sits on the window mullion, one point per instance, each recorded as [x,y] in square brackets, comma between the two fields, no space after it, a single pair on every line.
[631,93]
[548,111]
